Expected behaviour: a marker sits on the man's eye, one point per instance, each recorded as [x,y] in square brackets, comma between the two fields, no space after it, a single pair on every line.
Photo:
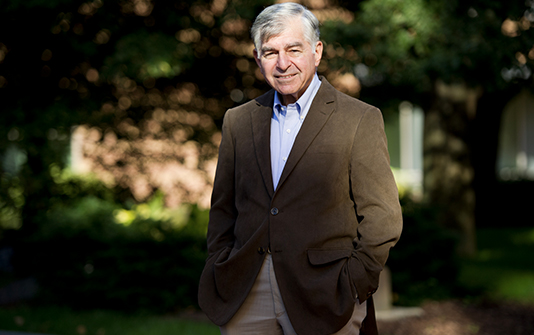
[268,54]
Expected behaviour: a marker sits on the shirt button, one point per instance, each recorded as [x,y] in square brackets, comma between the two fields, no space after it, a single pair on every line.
[274,211]
[288,131]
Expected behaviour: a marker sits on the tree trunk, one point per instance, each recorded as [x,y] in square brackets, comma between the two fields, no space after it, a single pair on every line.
[448,167]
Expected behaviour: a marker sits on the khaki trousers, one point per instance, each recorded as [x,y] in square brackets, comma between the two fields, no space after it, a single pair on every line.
[263,311]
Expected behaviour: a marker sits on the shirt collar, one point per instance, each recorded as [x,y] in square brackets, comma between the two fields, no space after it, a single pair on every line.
[302,103]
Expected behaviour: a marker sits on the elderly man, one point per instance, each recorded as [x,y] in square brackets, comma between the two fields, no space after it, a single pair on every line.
[304,206]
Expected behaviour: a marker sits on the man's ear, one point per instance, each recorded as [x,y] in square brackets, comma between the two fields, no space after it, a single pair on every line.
[318,53]
[257,57]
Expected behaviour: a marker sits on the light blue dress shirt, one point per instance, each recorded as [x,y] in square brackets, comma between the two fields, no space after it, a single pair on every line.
[285,125]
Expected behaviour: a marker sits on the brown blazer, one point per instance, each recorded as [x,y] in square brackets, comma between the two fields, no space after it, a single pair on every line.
[329,225]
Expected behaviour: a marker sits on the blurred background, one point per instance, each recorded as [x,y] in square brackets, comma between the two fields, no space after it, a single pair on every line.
[110,117]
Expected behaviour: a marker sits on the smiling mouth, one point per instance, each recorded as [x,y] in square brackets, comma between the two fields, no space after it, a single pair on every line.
[287,76]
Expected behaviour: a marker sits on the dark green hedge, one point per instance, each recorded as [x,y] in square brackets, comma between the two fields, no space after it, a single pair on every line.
[83,258]
[423,264]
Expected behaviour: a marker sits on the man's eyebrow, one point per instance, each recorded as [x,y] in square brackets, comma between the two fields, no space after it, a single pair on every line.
[287,46]
[294,44]
[265,49]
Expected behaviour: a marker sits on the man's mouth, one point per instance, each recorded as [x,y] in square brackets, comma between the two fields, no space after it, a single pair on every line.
[286,76]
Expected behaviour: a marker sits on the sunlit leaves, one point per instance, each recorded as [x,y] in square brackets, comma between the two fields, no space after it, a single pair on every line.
[189,35]
[181,169]
[11,200]
[408,24]
[143,55]
[138,7]
[413,42]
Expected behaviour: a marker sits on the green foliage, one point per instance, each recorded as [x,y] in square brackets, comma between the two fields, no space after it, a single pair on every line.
[142,55]
[423,263]
[89,251]
[408,28]
[11,202]
[82,257]
[503,268]
[413,43]
[65,63]
[59,320]
[69,187]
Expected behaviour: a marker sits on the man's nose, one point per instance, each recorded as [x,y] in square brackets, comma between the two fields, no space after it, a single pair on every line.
[283,62]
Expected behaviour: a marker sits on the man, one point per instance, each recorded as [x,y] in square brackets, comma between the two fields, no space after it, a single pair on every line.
[304,206]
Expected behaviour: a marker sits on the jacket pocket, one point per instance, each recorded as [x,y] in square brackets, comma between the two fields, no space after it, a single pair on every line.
[226,273]
[326,256]
[225,256]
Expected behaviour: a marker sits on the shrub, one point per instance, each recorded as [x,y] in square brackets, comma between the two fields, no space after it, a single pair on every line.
[88,256]
[423,263]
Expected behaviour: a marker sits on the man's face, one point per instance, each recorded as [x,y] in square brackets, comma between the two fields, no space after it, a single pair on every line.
[288,62]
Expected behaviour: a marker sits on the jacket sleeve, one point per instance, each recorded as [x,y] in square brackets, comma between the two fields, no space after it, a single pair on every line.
[223,212]
[376,200]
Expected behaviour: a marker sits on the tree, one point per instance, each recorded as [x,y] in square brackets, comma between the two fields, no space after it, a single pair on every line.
[461,61]
[139,73]
[132,71]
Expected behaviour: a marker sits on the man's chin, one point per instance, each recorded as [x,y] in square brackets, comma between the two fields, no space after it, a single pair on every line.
[285,90]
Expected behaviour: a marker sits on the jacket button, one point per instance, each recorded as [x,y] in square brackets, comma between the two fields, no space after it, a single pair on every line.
[274,211]
[261,250]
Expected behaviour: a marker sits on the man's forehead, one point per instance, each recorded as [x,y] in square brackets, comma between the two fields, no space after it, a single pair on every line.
[286,45]
[290,33]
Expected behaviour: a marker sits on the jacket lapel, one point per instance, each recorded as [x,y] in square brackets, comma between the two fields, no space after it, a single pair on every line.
[322,107]
[261,132]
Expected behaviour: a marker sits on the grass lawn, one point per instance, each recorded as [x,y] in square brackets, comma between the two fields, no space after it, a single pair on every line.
[504,266]
[62,321]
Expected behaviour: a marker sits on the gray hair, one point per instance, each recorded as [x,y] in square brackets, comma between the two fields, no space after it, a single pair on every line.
[273,20]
